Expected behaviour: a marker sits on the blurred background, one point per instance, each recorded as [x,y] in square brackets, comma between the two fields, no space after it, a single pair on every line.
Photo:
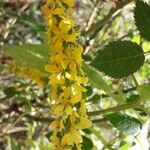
[25,114]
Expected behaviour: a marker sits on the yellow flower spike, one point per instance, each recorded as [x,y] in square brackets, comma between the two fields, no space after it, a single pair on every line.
[66,76]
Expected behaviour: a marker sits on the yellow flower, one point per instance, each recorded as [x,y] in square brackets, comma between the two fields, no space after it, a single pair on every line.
[56,142]
[66,75]
[60,36]
[55,124]
[72,137]
[84,123]
[66,24]
[49,14]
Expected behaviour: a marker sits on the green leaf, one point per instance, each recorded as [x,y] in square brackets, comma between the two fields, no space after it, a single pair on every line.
[10,92]
[87,144]
[29,56]
[35,27]
[124,123]
[89,91]
[119,59]
[142,19]
[144,91]
[87,131]
[132,98]
[97,81]
[12,144]
[126,146]
[96,98]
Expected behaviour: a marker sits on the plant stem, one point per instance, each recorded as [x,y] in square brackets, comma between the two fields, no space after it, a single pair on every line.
[97,134]
[147,53]
[118,108]
[135,81]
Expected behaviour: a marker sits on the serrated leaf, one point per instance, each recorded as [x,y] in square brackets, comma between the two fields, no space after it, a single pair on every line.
[124,123]
[144,91]
[119,59]
[142,19]
[29,56]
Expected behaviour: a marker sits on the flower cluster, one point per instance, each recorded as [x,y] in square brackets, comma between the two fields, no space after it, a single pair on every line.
[67,78]
[31,73]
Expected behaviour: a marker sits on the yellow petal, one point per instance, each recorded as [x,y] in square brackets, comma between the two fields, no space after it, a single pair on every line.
[77,136]
[50,68]
[55,124]
[58,58]
[82,80]
[68,110]
[62,122]
[58,11]
[73,69]
[50,22]
[58,109]
[67,139]
[68,75]
[59,44]
[73,117]
[69,37]
[85,123]
[66,93]
[73,136]
[53,79]
[45,10]
[64,27]
[49,1]
[55,140]
[70,3]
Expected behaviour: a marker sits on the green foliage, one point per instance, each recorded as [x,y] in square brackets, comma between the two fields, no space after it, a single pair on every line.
[142,19]
[98,81]
[144,91]
[126,146]
[12,144]
[124,123]
[119,59]
[108,100]
[87,143]
[36,27]
[10,92]
[29,56]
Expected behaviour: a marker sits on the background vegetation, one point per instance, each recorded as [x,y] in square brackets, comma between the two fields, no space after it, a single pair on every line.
[118,94]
